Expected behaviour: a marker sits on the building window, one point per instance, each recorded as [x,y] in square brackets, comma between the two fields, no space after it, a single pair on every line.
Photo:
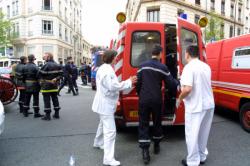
[153,15]
[247,4]
[239,14]
[222,31]
[47,27]
[66,34]
[196,19]
[60,11]
[47,5]
[223,7]
[60,31]
[179,12]
[197,2]
[8,11]
[231,31]
[65,12]
[14,7]
[15,29]
[70,35]
[232,11]
[30,26]
[212,5]
[238,31]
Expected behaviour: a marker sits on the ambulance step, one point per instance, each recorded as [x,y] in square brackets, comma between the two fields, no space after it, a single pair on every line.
[164,123]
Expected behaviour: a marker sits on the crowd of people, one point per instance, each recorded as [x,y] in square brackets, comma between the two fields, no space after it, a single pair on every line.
[49,79]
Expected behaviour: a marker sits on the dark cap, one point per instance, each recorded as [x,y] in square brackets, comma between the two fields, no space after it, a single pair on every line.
[157,49]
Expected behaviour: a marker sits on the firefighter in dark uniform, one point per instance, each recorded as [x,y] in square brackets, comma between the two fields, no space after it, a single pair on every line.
[19,80]
[148,87]
[74,77]
[68,77]
[49,74]
[30,74]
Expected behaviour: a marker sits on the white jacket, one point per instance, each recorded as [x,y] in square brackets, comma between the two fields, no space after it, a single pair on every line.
[107,93]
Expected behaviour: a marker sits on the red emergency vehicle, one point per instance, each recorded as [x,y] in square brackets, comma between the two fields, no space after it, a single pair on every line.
[230,63]
[134,46]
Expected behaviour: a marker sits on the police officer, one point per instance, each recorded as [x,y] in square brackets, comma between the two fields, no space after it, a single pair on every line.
[49,74]
[19,80]
[30,74]
[149,84]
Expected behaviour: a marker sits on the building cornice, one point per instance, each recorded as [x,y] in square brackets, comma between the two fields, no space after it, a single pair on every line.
[188,5]
[24,40]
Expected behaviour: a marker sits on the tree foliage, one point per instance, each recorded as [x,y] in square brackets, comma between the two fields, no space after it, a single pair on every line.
[213,30]
[5,31]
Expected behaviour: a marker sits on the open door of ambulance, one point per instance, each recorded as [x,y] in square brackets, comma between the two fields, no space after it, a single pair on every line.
[188,34]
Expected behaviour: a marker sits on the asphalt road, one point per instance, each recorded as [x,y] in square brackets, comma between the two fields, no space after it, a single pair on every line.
[33,142]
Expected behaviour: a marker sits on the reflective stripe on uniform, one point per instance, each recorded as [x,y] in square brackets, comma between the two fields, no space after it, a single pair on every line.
[51,72]
[154,69]
[144,140]
[57,107]
[48,91]
[47,109]
[160,137]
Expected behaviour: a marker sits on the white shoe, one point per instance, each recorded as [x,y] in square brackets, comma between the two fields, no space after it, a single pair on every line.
[112,163]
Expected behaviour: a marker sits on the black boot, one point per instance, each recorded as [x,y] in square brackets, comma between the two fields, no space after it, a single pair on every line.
[157,148]
[20,108]
[25,113]
[145,155]
[37,114]
[47,117]
[56,115]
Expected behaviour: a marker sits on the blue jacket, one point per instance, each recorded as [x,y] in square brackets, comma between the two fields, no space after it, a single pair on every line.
[149,81]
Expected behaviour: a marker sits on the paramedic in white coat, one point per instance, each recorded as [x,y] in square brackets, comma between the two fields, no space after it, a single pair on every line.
[104,104]
[199,106]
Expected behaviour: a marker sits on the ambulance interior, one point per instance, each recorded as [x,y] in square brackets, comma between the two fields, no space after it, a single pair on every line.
[171,63]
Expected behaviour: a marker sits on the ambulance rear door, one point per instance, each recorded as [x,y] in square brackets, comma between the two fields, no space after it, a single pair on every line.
[187,34]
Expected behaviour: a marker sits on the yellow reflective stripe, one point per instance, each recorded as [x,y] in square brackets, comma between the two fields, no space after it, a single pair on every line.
[51,90]
[230,93]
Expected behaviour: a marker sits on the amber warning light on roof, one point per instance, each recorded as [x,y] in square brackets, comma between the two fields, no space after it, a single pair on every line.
[121,17]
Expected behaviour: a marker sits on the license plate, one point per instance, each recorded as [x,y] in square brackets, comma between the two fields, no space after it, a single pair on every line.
[133,114]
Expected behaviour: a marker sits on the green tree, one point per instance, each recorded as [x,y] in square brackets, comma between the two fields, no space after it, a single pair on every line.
[5,31]
[214,29]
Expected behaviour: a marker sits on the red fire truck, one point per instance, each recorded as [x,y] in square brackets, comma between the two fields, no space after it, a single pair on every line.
[134,46]
[230,63]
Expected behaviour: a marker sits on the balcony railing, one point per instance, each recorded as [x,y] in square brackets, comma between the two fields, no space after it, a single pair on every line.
[47,32]
[47,8]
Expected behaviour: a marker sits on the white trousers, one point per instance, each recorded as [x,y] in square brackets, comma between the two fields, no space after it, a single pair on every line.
[105,136]
[197,128]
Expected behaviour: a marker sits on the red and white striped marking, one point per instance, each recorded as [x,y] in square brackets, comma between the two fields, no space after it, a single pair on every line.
[120,51]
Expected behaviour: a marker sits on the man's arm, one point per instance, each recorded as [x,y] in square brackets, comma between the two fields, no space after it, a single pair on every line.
[185,91]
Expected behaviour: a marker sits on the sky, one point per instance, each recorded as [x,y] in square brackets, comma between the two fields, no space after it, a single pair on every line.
[99,23]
